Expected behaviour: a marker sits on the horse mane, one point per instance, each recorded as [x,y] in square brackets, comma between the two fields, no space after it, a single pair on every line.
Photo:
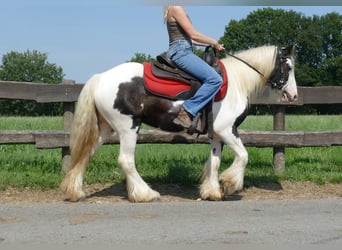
[245,80]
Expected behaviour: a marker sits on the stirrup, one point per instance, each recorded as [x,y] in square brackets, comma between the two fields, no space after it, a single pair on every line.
[193,128]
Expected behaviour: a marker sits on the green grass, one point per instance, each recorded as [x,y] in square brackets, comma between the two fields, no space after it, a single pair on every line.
[31,123]
[26,166]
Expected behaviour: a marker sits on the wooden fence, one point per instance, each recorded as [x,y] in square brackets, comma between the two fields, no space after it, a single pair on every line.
[68,93]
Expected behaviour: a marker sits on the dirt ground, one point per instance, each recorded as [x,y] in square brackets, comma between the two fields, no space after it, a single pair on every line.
[100,193]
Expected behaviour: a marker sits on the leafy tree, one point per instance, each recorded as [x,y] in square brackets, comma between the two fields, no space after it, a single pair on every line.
[140,58]
[318,42]
[317,39]
[332,35]
[30,66]
[264,26]
[332,71]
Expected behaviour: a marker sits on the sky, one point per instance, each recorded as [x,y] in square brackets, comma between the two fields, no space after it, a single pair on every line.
[86,37]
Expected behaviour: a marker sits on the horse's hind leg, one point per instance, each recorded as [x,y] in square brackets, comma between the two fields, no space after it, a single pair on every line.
[210,187]
[73,181]
[72,184]
[137,189]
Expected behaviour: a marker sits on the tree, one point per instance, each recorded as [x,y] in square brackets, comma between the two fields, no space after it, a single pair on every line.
[140,58]
[262,27]
[318,42]
[30,66]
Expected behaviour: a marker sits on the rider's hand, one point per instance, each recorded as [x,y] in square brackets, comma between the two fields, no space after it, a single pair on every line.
[218,47]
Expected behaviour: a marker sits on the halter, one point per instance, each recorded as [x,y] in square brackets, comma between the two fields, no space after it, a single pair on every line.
[280,73]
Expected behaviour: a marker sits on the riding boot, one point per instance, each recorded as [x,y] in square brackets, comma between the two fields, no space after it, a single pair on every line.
[183,118]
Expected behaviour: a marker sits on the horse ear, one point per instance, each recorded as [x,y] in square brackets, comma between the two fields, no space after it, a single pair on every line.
[288,50]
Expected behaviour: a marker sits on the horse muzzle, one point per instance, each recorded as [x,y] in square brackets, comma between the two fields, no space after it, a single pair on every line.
[289,96]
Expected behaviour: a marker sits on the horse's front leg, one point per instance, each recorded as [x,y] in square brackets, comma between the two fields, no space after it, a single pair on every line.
[137,189]
[231,179]
[210,187]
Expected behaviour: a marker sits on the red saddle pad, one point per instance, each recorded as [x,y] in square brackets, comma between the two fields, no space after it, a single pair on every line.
[171,88]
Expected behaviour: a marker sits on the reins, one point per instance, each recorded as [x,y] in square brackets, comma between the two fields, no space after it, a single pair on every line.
[274,84]
[237,58]
[279,57]
[243,61]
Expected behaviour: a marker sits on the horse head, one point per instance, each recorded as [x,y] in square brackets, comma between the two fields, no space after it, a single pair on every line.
[283,75]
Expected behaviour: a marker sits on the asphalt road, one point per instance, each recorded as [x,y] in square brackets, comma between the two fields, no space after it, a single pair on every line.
[297,222]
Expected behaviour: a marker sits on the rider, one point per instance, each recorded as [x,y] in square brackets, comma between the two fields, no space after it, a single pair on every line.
[182,35]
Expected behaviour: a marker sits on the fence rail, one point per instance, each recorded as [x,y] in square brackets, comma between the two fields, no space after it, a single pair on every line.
[58,139]
[68,93]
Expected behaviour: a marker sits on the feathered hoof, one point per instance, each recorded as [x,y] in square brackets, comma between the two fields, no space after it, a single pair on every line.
[210,195]
[71,192]
[229,186]
[150,196]
[74,196]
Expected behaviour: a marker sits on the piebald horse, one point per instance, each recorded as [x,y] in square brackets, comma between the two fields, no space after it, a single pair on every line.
[116,102]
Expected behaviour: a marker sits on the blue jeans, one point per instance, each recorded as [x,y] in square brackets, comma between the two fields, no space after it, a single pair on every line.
[181,53]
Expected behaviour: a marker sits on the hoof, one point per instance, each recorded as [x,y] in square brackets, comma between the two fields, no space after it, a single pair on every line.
[71,192]
[229,187]
[147,196]
[74,196]
[210,193]
[211,197]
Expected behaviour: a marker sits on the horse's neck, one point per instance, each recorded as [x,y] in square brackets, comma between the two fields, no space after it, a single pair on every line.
[262,58]
[250,81]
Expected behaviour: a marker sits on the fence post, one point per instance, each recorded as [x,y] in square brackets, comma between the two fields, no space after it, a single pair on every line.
[68,115]
[279,125]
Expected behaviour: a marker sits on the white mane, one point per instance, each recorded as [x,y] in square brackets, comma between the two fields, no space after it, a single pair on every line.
[245,80]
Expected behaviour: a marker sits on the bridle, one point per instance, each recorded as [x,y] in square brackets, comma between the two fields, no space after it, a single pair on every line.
[280,74]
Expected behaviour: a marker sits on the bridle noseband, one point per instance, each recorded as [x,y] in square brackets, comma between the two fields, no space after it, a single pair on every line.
[280,74]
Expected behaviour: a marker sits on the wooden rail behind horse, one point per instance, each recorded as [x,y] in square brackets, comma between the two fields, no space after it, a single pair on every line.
[68,93]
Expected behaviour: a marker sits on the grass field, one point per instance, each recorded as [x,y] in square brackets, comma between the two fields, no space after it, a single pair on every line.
[25,166]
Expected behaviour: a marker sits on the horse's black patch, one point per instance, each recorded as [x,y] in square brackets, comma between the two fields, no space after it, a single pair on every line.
[239,120]
[133,100]
[129,99]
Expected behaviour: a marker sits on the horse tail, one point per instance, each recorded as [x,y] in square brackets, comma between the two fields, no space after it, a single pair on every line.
[85,132]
